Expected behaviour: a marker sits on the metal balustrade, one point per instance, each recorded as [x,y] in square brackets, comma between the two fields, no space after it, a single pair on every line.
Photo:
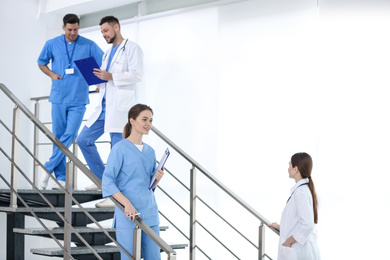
[194,222]
[74,163]
[194,198]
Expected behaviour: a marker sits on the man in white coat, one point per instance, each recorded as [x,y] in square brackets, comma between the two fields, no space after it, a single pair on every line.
[122,68]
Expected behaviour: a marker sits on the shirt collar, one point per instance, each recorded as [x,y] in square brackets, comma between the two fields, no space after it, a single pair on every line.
[305,180]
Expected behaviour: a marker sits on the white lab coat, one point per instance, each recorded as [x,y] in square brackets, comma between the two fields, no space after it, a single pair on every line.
[298,221]
[126,69]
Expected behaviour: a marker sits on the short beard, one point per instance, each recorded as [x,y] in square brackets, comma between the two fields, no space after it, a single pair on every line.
[112,39]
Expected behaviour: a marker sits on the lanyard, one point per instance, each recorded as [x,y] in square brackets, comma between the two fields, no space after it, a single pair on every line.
[67,53]
[294,191]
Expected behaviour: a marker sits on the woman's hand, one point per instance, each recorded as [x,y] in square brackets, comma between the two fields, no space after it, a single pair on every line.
[275,225]
[159,174]
[288,243]
[130,211]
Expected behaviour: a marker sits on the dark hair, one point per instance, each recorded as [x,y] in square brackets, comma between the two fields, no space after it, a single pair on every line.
[134,113]
[305,164]
[71,18]
[109,19]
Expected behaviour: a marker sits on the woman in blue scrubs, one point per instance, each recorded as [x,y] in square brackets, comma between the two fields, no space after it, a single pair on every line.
[130,167]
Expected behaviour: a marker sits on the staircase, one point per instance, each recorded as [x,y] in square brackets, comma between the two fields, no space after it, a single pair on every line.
[95,237]
[79,234]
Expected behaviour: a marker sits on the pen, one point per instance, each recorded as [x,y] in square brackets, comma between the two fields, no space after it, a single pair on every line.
[136,214]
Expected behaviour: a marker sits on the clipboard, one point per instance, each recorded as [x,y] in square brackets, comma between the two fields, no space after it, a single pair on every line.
[86,67]
[159,167]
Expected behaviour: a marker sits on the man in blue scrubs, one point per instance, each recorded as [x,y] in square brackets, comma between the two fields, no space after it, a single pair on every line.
[69,92]
[122,68]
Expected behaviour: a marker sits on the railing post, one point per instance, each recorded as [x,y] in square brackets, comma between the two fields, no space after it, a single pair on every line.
[36,150]
[68,209]
[171,256]
[14,177]
[75,152]
[137,233]
[261,241]
[192,213]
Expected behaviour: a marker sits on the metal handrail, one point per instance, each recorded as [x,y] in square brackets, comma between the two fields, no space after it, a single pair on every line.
[213,179]
[47,97]
[194,197]
[176,179]
[173,224]
[47,201]
[51,206]
[174,201]
[35,216]
[207,231]
[264,221]
[216,239]
[227,222]
[138,221]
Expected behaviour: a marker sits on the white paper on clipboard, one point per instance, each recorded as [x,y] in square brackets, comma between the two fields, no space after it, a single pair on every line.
[159,167]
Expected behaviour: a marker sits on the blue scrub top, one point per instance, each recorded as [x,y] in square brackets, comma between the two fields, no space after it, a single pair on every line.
[72,88]
[129,171]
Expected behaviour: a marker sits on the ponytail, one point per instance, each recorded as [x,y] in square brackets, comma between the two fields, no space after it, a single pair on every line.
[305,164]
[127,130]
[315,202]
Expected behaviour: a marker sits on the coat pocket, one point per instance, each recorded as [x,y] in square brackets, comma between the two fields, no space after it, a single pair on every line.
[125,99]
[287,253]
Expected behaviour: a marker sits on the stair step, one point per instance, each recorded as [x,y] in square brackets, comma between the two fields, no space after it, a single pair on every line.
[106,252]
[84,251]
[93,236]
[78,216]
[60,230]
[56,197]
[57,251]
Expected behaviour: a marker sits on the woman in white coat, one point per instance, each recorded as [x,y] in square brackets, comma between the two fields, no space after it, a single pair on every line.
[297,226]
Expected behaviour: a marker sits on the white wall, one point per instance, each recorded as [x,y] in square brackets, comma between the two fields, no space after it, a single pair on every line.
[282,77]
[354,133]
[242,87]
[22,39]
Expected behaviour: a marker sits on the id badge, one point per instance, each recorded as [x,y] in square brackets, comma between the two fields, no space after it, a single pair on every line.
[69,71]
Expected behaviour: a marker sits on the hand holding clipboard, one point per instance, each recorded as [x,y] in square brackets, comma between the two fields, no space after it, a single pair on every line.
[159,167]
[86,67]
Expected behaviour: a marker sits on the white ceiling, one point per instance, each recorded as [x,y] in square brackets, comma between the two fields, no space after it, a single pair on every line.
[62,7]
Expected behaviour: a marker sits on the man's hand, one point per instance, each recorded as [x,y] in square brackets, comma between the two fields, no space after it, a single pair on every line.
[45,69]
[102,74]
[55,76]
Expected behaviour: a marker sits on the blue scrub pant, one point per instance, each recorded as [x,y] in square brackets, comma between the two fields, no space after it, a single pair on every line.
[150,250]
[66,119]
[86,141]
